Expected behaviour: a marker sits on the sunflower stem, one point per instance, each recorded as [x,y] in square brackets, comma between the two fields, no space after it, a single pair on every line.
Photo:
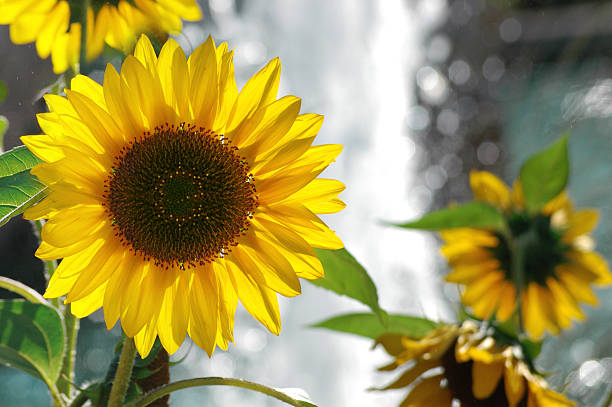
[64,383]
[161,391]
[519,245]
[55,394]
[83,49]
[608,402]
[123,373]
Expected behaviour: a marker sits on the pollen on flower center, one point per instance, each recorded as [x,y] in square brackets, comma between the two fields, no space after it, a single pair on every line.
[180,195]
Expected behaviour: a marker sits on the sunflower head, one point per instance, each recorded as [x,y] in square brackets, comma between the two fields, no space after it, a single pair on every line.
[172,195]
[558,263]
[467,365]
[55,25]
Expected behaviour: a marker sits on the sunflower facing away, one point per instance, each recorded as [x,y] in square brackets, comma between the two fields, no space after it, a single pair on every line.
[54,26]
[171,195]
[559,263]
[462,363]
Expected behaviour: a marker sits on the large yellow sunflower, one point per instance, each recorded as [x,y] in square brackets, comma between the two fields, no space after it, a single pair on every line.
[171,195]
[464,364]
[54,25]
[559,265]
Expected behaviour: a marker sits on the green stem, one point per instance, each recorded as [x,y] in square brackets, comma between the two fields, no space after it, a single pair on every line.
[161,391]
[123,373]
[55,395]
[67,374]
[22,289]
[608,399]
[83,51]
[518,277]
[79,400]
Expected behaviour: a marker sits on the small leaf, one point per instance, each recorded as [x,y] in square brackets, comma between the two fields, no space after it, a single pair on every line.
[17,160]
[3,91]
[345,276]
[32,338]
[369,326]
[17,193]
[545,174]
[472,214]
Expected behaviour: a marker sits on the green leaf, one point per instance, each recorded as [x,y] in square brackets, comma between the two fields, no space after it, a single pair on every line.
[17,160]
[345,276]
[31,338]
[18,188]
[3,91]
[369,326]
[472,214]
[17,193]
[545,174]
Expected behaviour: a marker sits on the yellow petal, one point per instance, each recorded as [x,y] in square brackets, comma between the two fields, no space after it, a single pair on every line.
[485,378]
[145,339]
[258,300]
[465,274]
[204,298]
[594,263]
[204,81]
[174,312]
[89,304]
[259,91]
[514,384]
[130,267]
[507,302]
[487,188]
[410,375]
[580,223]
[475,290]
[425,391]
[307,225]
[72,225]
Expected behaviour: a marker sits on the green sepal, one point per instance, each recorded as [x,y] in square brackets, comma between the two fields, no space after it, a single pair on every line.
[345,276]
[369,325]
[468,215]
[544,175]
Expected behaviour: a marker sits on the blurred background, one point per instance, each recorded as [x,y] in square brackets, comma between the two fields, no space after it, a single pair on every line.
[419,92]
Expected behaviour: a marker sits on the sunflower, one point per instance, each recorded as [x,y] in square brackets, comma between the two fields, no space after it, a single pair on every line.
[171,195]
[53,25]
[464,364]
[559,265]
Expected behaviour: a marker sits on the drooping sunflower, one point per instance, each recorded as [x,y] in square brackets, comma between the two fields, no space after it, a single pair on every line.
[171,195]
[54,24]
[464,364]
[559,264]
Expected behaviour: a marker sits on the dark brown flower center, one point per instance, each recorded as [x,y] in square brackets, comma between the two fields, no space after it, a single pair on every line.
[180,196]
[459,379]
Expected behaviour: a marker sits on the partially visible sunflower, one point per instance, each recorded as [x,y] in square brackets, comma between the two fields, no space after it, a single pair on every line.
[559,263]
[55,26]
[172,195]
[462,363]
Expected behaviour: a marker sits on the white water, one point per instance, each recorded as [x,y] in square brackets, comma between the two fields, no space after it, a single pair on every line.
[352,61]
